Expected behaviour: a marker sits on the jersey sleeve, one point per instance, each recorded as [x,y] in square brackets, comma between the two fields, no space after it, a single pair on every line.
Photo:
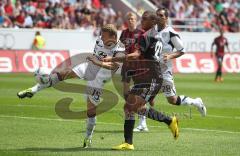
[120,49]
[215,41]
[98,44]
[226,43]
[122,36]
[176,41]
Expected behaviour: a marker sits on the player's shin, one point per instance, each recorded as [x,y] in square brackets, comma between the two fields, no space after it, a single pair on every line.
[158,116]
[54,79]
[128,127]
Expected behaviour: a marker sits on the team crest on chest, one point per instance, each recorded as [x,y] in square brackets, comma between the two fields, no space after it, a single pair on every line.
[101,54]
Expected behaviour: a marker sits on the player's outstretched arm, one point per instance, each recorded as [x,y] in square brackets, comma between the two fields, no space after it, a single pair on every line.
[211,53]
[107,65]
[122,58]
[174,55]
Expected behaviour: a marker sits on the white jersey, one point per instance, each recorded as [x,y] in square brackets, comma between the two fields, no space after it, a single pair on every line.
[89,71]
[170,41]
[95,75]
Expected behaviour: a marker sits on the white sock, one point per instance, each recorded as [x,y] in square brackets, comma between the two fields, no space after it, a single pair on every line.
[142,121]
[91,122]
[188,101]
[53,80]
[38,87]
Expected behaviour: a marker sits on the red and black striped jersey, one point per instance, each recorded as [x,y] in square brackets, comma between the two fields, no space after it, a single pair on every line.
[130,38]
[220,43]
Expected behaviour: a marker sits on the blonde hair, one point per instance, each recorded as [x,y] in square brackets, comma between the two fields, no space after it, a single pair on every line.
[110,28]
[129,14]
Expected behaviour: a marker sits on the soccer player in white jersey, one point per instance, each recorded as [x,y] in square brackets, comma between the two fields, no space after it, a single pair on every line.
[170,41]
[106,46]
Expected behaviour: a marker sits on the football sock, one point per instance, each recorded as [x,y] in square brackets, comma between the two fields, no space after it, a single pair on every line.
[158,116]
[54,79]
[220,73]
[91,123]
[142,121]
[38,87]
[128,131]
[184,100]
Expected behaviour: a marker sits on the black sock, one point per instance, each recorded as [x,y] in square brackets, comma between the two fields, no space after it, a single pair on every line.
[128,131]
[158,116]
[178,102]
[220,73]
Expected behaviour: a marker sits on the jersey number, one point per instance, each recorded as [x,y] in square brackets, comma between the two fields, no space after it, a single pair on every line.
[96,95]
[158,49]
[166,88]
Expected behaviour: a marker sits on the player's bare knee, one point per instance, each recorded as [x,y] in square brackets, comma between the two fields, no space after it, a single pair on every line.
[151,102]
[91,109]
[67,74]
[91,112]
[131,100]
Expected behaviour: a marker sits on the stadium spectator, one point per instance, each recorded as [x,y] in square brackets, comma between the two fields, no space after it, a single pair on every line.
[20,19]
[28,22]
[8,8]
[119,21]
[38,42]
[197,15]
[203,15]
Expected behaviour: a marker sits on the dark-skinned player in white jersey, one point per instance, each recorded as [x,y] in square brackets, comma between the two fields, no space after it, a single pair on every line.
[171,40]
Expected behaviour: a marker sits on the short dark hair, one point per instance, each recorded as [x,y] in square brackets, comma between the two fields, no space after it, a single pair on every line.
[152,15]
[37,33]
[165,11]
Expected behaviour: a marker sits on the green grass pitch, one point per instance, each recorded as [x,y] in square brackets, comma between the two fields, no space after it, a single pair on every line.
[31,126]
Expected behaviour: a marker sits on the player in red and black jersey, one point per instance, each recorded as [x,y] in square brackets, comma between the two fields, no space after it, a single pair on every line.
[130,37]
[220,43]
[147,84]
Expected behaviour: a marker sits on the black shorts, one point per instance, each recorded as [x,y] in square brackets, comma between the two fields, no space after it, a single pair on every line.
[147,90]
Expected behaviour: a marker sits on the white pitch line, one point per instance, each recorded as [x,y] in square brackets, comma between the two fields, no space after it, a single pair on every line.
[211,130]
[221,116]
[105,123]
[78,107]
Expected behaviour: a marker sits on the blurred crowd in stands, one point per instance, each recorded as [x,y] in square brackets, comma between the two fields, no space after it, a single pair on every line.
[211,14]
[91,14]
[61,14]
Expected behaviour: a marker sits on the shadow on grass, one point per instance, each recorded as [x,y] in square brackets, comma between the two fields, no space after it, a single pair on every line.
[103,131]
[72,149]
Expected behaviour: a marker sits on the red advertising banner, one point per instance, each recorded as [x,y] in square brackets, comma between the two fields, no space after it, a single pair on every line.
[204,63]
[7,61]
[29,61]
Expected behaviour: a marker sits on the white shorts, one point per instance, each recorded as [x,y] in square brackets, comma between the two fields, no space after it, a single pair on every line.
[168,87]
[95,80]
